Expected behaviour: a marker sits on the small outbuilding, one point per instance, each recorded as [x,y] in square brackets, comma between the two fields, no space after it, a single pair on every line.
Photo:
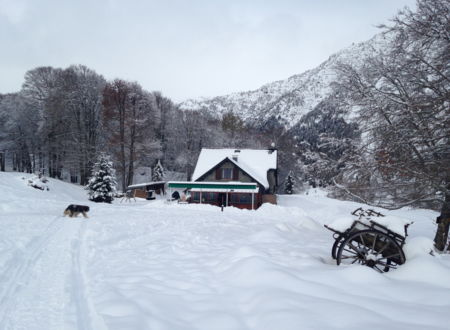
[148,190]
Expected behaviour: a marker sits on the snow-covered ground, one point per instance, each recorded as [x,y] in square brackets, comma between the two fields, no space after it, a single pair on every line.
[152,265]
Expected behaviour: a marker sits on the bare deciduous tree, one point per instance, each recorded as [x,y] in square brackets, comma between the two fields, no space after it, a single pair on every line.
[403,95]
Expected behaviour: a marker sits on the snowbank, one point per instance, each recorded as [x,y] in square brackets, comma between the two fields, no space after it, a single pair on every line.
[152,265]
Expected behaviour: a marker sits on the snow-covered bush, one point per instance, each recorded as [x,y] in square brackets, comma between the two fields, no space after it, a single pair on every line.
[38,183]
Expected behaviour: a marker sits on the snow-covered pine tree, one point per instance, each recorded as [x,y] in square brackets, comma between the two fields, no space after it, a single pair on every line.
[289,184]
[102,185]
[157,172]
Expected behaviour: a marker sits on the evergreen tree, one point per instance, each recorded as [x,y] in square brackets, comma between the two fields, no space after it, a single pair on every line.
[158,172]
[102,184]
[289,184]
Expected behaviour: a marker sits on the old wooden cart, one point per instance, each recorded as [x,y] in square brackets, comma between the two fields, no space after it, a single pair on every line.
[369,243]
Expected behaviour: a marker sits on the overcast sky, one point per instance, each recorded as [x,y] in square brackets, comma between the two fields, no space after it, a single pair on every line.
[183,48]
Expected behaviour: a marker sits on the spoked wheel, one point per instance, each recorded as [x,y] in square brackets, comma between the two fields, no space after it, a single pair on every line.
[338,240]
[371,248]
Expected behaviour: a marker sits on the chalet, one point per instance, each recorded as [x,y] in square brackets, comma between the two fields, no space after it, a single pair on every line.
[243,178]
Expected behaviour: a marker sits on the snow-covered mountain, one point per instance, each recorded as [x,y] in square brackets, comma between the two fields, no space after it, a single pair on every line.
[286,100]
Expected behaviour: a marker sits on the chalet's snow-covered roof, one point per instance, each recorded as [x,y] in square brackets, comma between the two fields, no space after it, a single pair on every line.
[254,162]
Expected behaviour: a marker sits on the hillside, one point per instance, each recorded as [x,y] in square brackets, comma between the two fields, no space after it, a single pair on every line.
[153,265]
[286,100]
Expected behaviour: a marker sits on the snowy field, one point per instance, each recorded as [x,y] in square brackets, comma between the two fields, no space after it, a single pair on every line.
[152,265]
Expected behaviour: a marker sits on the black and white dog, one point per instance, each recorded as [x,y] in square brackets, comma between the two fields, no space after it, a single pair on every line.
[74,210]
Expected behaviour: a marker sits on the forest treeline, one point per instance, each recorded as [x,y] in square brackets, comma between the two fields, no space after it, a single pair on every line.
[62,119]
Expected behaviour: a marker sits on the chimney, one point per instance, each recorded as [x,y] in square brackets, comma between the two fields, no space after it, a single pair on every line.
[236,154]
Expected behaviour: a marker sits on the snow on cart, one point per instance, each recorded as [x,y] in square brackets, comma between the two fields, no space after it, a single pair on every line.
[369,239]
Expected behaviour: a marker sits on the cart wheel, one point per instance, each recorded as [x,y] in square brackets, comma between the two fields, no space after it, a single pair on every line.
[371,248]
[339,239]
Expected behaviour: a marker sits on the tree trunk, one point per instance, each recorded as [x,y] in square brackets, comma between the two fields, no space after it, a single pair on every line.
[14,161]
[49,164]
[131,164]
[41,161]
[82,171]
[443,223]
[122,148]
[2,161]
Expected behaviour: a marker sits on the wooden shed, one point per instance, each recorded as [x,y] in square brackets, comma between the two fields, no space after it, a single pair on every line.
[148,190]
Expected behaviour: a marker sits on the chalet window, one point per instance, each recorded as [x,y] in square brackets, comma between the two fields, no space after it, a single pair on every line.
[241,198]
[206,196]
[196,196]
[209,197]
[245,198]
[227,173]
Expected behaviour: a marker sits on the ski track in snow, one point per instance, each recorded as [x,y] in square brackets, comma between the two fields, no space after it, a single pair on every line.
[19,273]
[52,266]
[87,318]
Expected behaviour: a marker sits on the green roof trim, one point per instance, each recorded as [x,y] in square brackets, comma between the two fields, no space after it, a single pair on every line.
[189,185]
